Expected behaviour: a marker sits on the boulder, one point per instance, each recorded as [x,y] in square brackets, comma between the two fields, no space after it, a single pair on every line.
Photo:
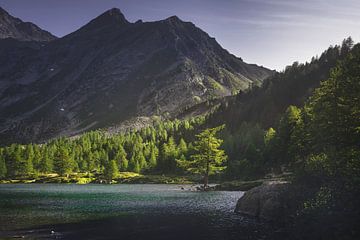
[270,201]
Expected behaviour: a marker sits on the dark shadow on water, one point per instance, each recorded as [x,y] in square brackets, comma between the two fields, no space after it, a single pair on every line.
[159,227]
[143,211]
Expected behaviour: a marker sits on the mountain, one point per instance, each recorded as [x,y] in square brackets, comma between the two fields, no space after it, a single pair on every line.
[111,71]
[11,27]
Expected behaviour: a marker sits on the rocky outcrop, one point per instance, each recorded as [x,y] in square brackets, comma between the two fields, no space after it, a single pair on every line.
[270,201]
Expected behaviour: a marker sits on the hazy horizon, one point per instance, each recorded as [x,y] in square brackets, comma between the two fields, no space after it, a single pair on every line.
[272,33]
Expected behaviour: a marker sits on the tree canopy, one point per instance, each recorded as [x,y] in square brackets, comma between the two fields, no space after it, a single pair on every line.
[208,157]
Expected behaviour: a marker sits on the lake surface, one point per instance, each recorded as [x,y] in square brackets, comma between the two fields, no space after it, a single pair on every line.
[147,211]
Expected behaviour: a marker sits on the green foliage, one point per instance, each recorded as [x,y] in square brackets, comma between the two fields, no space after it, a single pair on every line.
[63,162]
[269,136]
[320,143]
[111,170]
[264,105]
[208,158]
[331,122]
[150,149]
[245,152]
[3,170]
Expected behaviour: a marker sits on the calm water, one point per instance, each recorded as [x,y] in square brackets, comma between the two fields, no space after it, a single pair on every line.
[52,211]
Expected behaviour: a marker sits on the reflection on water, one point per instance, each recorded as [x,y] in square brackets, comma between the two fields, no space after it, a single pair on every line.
[48,211]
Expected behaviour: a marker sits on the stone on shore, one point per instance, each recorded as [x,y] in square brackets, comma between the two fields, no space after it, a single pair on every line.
[270,201]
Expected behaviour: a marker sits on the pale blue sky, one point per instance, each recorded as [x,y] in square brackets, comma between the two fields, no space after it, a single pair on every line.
[273,33]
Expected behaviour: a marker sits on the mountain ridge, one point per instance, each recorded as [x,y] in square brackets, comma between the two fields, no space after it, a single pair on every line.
[12,27]
[110,71]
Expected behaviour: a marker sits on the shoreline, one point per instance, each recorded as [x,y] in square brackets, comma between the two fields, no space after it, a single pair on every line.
[134,178]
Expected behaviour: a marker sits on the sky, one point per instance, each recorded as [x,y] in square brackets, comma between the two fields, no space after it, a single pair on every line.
[272,33]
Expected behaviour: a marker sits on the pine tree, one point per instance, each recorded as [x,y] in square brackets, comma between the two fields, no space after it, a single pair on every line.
[124,165]
[121,160]
[140,158]
[3,170]
[182,147]
[153,157]
[111,171]
[287,126]
[37,157]
[170,155]
[132,164]
[209,158]
[27,167]
[63,162]
[46,165]
[136,167]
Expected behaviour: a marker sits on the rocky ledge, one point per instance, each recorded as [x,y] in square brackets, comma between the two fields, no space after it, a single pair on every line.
[271,201]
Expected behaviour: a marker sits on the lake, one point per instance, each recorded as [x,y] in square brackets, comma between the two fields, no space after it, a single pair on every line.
[137,211]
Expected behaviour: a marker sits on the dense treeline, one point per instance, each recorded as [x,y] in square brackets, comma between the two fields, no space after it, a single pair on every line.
[151,149]
[251,151]
[320,142]
[264,105]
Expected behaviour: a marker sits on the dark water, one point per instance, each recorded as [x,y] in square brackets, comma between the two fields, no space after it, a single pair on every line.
[52,211]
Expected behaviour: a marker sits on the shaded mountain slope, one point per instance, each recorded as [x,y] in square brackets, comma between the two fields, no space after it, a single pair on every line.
[110,71]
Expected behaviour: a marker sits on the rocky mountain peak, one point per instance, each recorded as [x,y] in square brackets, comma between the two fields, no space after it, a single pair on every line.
[6,17]
[174,20]
[2,11]
[111,16]
[12,27]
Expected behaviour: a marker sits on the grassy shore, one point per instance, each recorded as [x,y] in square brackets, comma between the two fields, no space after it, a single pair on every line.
[136,178]
[86,178]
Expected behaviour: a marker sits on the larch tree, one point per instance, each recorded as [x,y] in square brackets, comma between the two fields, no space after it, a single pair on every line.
[208,158]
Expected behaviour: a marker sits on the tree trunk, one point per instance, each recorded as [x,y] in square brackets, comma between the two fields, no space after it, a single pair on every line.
[206,177]
[206,181]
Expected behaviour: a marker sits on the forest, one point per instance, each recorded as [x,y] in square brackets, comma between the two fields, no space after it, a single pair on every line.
[152,149]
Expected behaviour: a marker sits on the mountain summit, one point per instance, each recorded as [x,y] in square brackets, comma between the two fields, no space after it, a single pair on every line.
[112,16]
[11,27]
[111,71]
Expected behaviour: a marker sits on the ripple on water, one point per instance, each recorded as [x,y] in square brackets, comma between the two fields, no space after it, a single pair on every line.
[150,209]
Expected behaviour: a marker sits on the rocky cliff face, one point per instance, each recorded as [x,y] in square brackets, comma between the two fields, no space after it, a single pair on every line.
[11,27]
[110,71]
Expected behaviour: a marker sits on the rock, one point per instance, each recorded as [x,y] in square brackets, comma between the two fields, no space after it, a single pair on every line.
[270,201]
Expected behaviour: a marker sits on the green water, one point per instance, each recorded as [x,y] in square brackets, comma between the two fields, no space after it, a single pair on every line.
[109,211]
